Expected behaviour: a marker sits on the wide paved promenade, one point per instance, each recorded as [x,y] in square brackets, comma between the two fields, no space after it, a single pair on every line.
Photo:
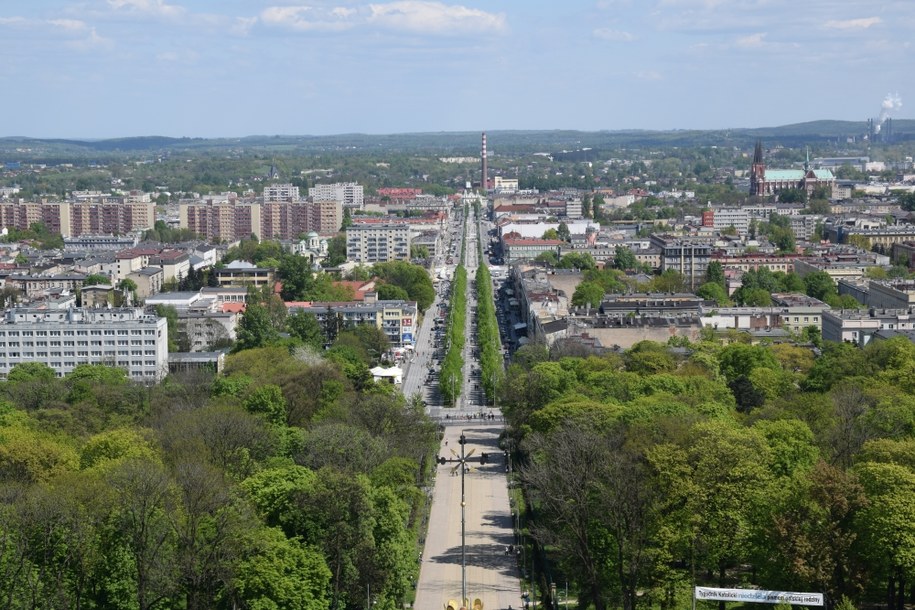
[492,574]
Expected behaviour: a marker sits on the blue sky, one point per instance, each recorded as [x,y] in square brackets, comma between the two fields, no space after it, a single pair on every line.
[208,68]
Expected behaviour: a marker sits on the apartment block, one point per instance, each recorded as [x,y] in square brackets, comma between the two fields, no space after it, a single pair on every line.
[687,257]
[62,339]
[281,192]
[378,243]
[396,318]
[349,194]
[858,327]
[223,220]
[77,218]
[231,220]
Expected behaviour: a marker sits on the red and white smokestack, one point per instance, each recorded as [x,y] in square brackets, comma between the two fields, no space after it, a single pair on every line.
[484,183]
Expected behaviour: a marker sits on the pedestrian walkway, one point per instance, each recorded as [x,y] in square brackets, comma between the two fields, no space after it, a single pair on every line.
[490,566]
[492,573]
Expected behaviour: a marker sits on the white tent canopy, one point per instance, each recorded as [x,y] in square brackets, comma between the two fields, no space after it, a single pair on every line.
[393,374]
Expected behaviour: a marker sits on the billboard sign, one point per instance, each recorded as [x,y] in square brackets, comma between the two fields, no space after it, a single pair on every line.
[760,596]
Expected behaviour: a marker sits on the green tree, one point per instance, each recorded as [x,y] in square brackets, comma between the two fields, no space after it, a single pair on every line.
[390,292]
[563,233]
[649,358]
[296,275]
[94,279]
[551,234]
[336,251]
[267,401]
[820,285]
[624,259]
[669,281]
[887,524]
[274,572]
[714,273]
[171,317]
[713,291]
[549,257]
[588,294]
[305,327]
[577,260]
[256,328]
[907,201]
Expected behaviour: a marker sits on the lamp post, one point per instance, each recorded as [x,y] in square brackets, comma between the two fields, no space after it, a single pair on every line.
[461,462]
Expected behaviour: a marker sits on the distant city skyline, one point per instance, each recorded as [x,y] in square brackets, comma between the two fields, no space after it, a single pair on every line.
[202,68]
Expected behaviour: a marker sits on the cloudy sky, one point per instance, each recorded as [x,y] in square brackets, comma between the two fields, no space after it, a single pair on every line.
[109,68]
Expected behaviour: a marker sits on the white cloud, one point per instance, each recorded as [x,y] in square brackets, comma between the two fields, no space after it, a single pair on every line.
[423,16]
[151,7]
[73,25]
[185,56]
[852,24]
[13,21]
[92,41]
[613,35]
[243,25]
[752,41]
[651,75]
[307,18]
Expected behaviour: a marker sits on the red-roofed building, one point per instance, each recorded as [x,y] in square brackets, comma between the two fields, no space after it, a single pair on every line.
[233,307]
[399,192]
[358,287]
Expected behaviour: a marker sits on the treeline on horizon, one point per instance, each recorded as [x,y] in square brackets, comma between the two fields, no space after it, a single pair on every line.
[445,143]
[780,467]
[288,482]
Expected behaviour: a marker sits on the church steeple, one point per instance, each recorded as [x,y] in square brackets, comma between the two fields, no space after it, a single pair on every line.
[758,171]
[807,161]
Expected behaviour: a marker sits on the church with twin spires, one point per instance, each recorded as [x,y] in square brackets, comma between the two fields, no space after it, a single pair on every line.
[766,182]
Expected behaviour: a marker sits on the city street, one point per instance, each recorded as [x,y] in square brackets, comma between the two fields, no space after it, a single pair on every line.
[492,573]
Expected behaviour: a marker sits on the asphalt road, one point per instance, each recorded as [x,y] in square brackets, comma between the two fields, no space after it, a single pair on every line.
[492,574]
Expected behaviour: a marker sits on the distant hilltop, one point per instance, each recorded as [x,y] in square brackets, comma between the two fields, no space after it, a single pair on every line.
[455,143]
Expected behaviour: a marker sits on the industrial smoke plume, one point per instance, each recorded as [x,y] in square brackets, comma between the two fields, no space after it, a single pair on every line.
[891,102]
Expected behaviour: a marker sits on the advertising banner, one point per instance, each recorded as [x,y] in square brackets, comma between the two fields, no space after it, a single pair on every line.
[759,596]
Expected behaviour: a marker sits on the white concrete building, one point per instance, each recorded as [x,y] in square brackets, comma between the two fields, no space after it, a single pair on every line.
[281,192]
[378,243]
[349,193]
[62,339]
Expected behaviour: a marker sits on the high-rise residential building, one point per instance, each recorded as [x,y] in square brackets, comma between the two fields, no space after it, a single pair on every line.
[231,220]
[378,243]
[126,337]
[281,192]
[81,217]
[325,217]
[349,193]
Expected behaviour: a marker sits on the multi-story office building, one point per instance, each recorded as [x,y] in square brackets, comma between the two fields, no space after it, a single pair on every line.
[63,338]
[348,193]
[378,243]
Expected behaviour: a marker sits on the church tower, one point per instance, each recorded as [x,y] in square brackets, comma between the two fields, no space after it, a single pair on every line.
[758,172]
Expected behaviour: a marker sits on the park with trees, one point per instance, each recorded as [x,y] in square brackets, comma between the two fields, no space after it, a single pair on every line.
[650,471]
